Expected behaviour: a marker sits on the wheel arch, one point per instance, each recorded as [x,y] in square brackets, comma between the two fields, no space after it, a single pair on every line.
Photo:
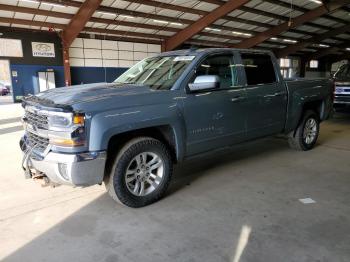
[164,133]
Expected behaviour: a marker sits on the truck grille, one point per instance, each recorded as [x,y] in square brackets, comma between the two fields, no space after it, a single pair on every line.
[37,120]
[36,142]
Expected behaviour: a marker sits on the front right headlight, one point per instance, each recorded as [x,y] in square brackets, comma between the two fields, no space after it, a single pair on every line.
[59,121]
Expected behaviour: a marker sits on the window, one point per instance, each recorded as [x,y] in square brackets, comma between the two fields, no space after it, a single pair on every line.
[11,47]
[222,66]
[258,69]
[285,62]
[343,72]
[313,64]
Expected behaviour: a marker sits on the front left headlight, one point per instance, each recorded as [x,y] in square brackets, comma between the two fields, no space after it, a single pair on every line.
[68,129]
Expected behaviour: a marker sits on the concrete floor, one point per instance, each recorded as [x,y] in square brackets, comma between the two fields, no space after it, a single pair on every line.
[241,206]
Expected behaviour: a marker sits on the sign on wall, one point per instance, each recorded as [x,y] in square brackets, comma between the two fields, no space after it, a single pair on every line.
[43,49]
[11,47]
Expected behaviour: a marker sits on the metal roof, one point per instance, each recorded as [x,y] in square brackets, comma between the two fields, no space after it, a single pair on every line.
[157,20]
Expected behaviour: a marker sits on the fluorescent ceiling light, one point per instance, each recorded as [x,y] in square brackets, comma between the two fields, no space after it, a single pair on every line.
[127,16]
[322,45]
[273,38]
[53,4]
[160,21]
[240,33]
[289,40]
[31,1]
[213,29]
[179,24]
[348,49]
[106,13]
[316,1]
[43,3]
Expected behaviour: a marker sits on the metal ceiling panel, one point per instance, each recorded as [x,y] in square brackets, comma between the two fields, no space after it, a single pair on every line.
[119,4]
[7,14]
[41,18]
[57,20]
[325,22]
[28,4]
[9,2]
[23,16]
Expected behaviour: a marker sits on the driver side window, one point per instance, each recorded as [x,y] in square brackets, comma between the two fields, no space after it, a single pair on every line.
[222,66]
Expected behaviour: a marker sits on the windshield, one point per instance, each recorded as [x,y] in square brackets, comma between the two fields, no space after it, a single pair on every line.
[343,72]
[156,72]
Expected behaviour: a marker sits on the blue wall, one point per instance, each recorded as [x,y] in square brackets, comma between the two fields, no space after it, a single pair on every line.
[26,82]
[87,75]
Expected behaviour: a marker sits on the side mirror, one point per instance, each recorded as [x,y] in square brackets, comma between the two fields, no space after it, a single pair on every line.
[205,82]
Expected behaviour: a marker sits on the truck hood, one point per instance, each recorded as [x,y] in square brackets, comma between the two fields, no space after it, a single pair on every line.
[68,96]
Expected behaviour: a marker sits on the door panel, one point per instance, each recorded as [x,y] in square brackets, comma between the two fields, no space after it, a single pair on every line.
[215,118]
[266,95]
[266,114]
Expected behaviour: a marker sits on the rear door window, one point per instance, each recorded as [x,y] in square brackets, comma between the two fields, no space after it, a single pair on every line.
[258,68]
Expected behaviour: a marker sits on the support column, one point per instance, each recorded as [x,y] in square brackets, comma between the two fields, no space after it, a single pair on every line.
[66,65]
[303,63]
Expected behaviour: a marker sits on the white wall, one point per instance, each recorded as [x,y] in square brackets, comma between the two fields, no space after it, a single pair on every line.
[105,53]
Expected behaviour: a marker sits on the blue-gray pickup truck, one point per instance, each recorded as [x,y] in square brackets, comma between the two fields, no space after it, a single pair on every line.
[164,110]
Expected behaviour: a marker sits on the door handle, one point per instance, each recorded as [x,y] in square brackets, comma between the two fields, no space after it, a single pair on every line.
[280,94]
[237,99]
[275,95]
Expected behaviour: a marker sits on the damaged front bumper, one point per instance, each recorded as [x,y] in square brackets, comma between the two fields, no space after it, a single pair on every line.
[78,169]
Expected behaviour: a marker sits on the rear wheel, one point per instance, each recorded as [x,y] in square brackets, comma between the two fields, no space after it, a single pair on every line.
[141,173]
[305,136]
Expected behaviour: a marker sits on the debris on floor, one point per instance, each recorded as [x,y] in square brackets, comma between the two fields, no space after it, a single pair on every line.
[307,201]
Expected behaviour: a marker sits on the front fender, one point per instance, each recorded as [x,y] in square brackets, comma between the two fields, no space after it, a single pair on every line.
[108,124]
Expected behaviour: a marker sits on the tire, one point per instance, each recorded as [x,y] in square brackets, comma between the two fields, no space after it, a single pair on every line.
[129,165]
[298,139]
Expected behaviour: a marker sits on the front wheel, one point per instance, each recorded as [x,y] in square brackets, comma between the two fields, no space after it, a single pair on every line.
[305,136]
[141,173]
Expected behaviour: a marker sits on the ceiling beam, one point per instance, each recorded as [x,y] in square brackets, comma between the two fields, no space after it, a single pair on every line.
[328,51]
[304,10]
[316,39]
[229,18]
[297,21]
[31,23]
[277,16]
[79,21]
[191,11]
[202,23]
[119,11]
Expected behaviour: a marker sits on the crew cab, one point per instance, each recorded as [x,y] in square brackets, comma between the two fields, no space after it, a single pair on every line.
[164,110]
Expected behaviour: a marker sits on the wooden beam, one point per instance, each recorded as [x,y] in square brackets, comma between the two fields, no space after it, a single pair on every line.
[229,18]
[202,23]
[253,41]
[327,51]
[79,21]
[73,29]
[29,22]
[316,39]
[273,15]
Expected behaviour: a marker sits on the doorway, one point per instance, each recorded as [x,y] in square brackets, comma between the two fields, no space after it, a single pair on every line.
[5,81]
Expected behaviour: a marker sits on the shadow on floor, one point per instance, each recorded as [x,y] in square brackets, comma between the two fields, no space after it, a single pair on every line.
[7,130]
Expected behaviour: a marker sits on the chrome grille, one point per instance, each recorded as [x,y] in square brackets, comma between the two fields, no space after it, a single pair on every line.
[38,120]
[36,142]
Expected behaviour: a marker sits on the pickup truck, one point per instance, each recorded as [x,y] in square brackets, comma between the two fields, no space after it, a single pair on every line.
[162,111]
[342,86]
